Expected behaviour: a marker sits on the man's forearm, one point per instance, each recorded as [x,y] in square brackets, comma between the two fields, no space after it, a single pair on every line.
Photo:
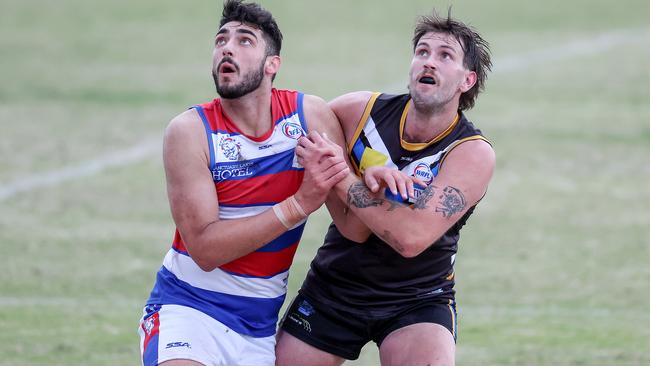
[223,241]
[372,210]
[405,228]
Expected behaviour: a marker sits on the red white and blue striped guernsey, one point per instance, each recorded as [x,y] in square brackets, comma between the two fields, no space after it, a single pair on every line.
[251,174]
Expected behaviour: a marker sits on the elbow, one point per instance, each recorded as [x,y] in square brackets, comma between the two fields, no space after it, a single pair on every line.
[412,245]
[357,236]
[410,250]
[206,261]
[205,264]
[409,253]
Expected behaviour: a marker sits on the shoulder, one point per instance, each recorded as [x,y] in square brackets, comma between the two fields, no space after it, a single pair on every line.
[349,109]
[479,149]
[185,127]
[313,102]
[320,118]
[316,111]
[475,156]
[355,101]
[468,168]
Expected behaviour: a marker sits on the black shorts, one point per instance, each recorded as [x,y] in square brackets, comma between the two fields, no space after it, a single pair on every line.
[344,334]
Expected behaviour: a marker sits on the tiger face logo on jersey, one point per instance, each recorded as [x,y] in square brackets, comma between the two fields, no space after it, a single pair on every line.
[230,148]
[292,130]
[423,171]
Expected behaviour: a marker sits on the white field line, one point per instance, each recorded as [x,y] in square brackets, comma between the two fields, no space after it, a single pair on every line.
[584,47]
[599,43]
[64,302]
[148,148]
[139,152]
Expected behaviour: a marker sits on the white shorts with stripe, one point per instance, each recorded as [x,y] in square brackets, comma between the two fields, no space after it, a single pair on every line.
[170,332]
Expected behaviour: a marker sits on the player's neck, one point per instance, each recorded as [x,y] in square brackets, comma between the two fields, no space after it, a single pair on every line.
[425,125]
[251,113]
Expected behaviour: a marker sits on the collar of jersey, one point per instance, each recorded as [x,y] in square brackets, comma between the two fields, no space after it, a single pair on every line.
[416,146]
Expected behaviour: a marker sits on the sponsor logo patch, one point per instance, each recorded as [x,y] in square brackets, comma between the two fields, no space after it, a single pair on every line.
[233,171]
[423,171]
[230,148]
[300,321]
[292,130]
[148,325]
[178,344]
[305,308]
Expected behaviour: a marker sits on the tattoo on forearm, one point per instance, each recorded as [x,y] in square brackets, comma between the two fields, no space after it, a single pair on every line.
[360,196]
[394,205]
[451,201]
[424,197]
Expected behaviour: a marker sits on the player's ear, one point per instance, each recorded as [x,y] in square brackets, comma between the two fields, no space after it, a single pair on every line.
[272,65]
[468,82]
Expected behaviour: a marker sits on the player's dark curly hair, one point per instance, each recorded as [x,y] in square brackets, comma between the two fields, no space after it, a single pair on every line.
[476,49]
[254,15]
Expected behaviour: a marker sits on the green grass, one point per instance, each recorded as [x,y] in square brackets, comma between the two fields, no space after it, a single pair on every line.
[552,268]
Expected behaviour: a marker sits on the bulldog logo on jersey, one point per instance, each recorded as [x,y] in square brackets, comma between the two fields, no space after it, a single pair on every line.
[423,171]
[292,130]
[148,325]
[230,148]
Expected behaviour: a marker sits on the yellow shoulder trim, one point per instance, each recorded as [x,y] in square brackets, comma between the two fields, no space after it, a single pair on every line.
[456,143]
[362,121]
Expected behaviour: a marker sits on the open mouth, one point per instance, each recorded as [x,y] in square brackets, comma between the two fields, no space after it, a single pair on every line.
[427,80]
[227,68]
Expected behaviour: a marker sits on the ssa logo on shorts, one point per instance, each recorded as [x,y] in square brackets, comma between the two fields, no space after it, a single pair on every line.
[178,344]
[230,148]
[292,130]
[423,172]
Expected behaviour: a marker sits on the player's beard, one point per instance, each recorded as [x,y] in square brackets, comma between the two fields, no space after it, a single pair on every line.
[431,103]
[250,82]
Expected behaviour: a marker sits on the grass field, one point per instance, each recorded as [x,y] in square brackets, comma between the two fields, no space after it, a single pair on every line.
[553,268]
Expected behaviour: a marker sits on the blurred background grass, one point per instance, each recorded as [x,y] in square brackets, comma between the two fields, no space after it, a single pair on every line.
[552,268]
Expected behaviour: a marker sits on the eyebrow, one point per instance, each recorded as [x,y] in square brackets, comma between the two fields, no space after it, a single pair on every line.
[239,30]
[246,31]
[444,45]
[448,47]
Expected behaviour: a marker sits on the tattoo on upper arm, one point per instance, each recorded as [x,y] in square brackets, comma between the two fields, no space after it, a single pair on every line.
[360,196]
[452,201]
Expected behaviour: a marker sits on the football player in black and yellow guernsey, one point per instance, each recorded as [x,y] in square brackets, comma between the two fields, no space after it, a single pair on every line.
[386,270]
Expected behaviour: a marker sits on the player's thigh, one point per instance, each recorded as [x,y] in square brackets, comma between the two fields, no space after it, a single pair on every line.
[291,351]
[418,344]
[182,334]
[334,332]
[257,351]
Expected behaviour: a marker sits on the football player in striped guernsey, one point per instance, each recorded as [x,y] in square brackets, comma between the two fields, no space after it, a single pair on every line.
[239,200]
[391,280]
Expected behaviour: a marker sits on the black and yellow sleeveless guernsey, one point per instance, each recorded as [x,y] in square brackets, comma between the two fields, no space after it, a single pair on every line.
[371,279]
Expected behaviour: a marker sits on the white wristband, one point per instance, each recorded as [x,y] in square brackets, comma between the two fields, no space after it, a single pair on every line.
[280,215]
